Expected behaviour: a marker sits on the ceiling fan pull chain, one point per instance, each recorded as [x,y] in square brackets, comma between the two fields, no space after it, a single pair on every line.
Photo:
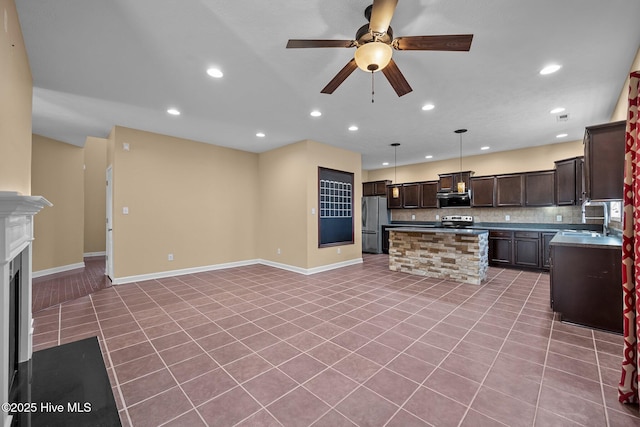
[372,86]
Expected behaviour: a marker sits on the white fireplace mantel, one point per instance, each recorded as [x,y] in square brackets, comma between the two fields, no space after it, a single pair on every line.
[16,234]
[16,222]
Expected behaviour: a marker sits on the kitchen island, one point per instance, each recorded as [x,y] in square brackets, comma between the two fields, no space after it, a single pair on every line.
[458,254]
[586,279]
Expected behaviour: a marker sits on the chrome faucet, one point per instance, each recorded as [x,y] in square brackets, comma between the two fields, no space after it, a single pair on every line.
[604,217]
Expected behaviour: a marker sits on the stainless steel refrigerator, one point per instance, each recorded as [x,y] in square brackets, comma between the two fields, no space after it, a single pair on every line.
[374,215]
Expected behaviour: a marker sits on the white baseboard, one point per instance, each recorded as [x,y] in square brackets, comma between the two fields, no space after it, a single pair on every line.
[55,270]
[92,254]
[314,270]
[181,272]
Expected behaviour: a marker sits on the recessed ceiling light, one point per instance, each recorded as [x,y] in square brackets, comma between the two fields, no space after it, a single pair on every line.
[215,73]
[353,128]
[385,163]
[173,111]
[486,147]
[261,134]
[316,113]
[550,69]
[557,110]
[427,107]
[428,157]
[562,135]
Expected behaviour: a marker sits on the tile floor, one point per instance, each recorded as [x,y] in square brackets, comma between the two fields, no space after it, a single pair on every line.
[358,346]
[58,288]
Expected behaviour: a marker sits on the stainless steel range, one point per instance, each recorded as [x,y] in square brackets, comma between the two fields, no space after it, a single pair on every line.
[456,221]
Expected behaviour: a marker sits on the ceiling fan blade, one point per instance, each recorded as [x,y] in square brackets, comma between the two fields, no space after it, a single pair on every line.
[381,15]
[455,42]
[296,43]
[340,77]
[397,80]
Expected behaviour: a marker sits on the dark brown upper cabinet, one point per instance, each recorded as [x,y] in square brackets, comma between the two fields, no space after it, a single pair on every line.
[539,188]
[510,190]
[411,195]
[482,191]
[394,202]
[428,194]
[604,161]
[569,177]
[375,188]
[449,181]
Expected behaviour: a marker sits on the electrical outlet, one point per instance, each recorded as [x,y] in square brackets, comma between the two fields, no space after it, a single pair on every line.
[413,217]
[437,217]
[507,217]
[339,250]
[278,251]
[170,257]
[559,218]
[125,210]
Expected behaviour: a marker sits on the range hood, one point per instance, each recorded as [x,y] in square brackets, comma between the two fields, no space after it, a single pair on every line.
[447,199]
[453,195]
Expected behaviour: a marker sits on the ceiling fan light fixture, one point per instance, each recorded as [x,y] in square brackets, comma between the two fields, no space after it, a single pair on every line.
[373,56]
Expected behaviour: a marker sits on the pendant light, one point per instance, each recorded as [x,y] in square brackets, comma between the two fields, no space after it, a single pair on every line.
[461,186]
[395,191]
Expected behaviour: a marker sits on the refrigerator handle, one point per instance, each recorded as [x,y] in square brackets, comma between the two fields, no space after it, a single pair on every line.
[364,212]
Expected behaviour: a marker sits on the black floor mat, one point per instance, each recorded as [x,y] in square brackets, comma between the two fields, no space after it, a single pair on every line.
[69,387]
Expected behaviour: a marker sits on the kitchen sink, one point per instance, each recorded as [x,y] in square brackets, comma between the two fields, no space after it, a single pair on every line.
[580,233]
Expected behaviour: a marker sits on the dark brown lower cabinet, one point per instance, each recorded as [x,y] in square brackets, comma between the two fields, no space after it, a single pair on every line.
[520,248]
[545,249]
[586,286]
[500,247]
[526,252]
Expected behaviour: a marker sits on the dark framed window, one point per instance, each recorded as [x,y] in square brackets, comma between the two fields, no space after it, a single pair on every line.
[335,206]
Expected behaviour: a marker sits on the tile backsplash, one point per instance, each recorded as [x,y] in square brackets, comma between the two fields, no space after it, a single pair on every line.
[543,215]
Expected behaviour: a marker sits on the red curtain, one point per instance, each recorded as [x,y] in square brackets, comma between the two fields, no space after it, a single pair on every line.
[628,387]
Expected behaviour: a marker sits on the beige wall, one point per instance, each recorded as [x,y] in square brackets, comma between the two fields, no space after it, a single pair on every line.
[620,111]
[321,155]
[289,205]
[57,174]
[15,104]
[95,165]
[282,185]
[197,201]
[524,160]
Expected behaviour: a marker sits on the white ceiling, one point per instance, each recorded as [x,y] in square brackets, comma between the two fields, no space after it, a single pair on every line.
[98,63]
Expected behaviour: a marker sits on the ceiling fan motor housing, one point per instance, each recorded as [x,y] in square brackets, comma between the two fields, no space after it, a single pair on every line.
[364,36]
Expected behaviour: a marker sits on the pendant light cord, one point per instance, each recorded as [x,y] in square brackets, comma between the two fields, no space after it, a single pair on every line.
[395,164]
[372,86]
[461,152]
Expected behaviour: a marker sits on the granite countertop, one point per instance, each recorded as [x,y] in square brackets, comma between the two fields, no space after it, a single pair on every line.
[503,226]
[587,240]
[405,229]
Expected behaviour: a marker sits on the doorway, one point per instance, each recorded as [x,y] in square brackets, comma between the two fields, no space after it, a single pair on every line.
[109,225]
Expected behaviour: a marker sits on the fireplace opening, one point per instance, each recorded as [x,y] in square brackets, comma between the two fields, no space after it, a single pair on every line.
[14,316]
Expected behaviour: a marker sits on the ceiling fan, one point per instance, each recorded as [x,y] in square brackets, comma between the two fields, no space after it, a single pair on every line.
[374,45]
